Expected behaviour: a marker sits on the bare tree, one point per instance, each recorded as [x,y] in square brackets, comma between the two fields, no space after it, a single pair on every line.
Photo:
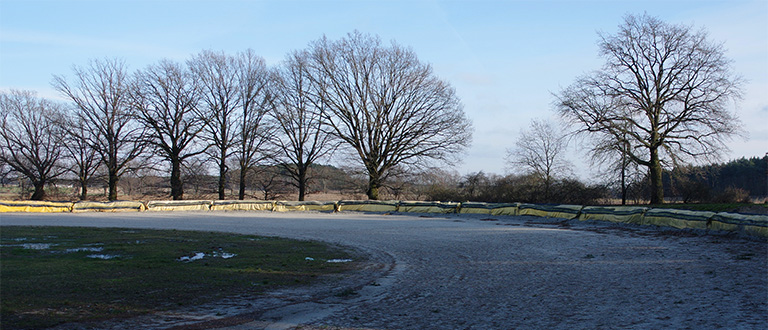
[101,93]
[220,94]
[611,154]
[664,88]
[195,173]
[302,139]
[386,105]
[255,101]
[165,99]
[84,158]
[31,141]
[540,151]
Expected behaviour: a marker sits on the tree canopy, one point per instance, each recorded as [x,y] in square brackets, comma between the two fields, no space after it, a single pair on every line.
[385,104]
[664,91]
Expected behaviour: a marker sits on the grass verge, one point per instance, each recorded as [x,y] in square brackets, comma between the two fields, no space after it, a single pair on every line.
[54,275]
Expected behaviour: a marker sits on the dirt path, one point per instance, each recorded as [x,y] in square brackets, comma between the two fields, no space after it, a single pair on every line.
[468,272]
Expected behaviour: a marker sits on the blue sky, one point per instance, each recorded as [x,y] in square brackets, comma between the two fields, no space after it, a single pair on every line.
[505,58]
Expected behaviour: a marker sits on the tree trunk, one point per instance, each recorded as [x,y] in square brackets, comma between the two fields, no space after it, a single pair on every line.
[83,189]
[373,186]
[241,192]
[655,171]
[623,178]
[222,178]
[39,193]
[112,181]
[302,182]
[177,186]
[623,186]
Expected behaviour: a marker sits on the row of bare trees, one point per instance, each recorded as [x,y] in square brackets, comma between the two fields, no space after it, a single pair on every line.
[378,103]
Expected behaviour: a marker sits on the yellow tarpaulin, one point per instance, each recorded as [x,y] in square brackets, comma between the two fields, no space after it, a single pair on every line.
[677,218]
[115,206]
[624,214]
[368,206]
[489,208]
[35,206]
[750,224]
[238,205]
[179,205]
[427,207]
[283,206]
[550,210]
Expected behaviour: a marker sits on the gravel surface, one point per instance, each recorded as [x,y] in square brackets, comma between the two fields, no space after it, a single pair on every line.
[480,272]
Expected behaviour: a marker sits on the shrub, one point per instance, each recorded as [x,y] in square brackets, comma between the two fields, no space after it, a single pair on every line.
[732,195]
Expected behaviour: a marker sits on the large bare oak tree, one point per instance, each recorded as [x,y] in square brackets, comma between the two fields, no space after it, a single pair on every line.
[254,130]
[664,90]
[301,137]
[386,105]
[30,140]
[219,88]
[83,159]
[165,100]
[101,93]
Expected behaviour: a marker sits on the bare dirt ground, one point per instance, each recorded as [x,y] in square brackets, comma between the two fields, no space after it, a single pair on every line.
[478,272]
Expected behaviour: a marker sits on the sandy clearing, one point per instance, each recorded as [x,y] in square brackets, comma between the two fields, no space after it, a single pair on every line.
[473,272]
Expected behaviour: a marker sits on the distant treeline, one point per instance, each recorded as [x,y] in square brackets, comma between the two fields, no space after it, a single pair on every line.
[741,180]
[734,181]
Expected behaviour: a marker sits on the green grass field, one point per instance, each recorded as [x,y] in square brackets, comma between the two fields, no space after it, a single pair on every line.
[53,275]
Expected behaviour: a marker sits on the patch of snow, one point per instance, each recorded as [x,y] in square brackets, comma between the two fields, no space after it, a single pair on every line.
[201,255]
[197,256]
[37,246]
[309,259]
[222,254]
[102,256]
[88,249]
[339,260]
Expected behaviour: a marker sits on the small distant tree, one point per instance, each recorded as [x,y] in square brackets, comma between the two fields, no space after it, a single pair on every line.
[31,141]
[195,173]
[101,94]
[612,156]
[269,181]
[439,185]
[475,185]
[540,151]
